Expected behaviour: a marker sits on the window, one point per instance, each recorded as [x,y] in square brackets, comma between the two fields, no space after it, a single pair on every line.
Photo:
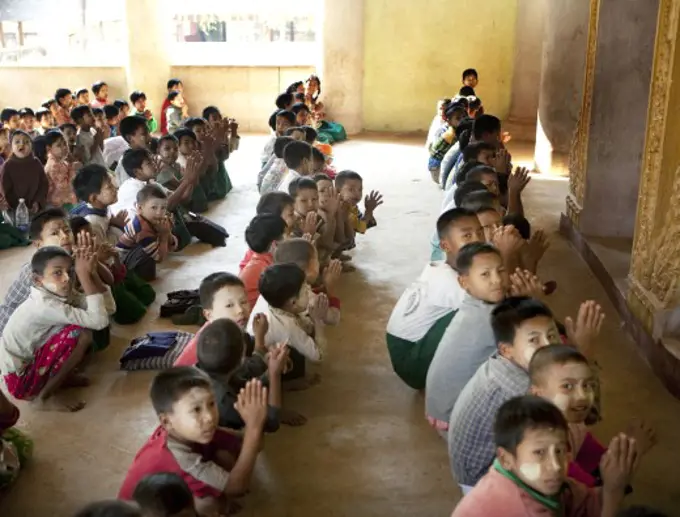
[62,33]
[258,32]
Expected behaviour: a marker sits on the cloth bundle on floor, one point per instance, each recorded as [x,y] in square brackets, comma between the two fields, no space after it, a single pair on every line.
[154,351]
[179,302]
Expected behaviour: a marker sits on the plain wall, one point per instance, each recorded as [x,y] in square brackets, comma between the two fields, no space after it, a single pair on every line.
[414,54]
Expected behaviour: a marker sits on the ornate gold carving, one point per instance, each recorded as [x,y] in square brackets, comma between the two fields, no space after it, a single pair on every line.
[578,153]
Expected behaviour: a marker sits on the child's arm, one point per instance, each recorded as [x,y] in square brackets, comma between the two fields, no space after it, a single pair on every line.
[517,182]
[372,201]
[341,224]
[617,467]
[166,241]
[98,142]
[186,186]
[330,279]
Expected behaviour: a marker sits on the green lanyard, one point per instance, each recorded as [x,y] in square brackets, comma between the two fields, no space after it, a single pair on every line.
[551,502]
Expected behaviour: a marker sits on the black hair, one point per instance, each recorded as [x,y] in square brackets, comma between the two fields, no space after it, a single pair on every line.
[192,122]
[153,145]
[274,203]
[466,255]
[43,217]
[19,132]
[641,511]
[485,124]
[173,95]
[314,77]
[299,97]
[476,173]
[220,346]
[79,112]
[521,414]
[47,103]
[479,201]
[111,111]
[512,312]
[263,230]
[66,125]
[150,191]
[322,177]
[185,131]
[317,155]
[295,153]
[163,494]
[112,508]
[7,114]
[301,183]
[463,102]
[60,93]
[451,217]
[293,87]
[129,125]
[173,82]
[470,71]
[136,96]
[283,100]
[310,134]
[343,177]
[463,136]
[26,112]
[97,111]
[520,222]
[52,136]
[211,110]
[133,159]
[96,87]
[280,283]
[298,107]
[293,129]
[80,91]
[168,386]
[272,120]
[462,172]
[78,224]
[40,148]
[467,91]
[119,103]
[89,181]
[294,251]
[213,283]
[475,104]
[288,115]
[168,138]
[466,188]
[555,354]
[44,255]
[473,150]
[280,144]
[454,109]
[39,114]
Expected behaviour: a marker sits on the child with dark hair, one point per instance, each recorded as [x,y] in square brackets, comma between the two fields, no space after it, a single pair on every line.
[47,336]
[188,154]
[101,95]
[214,147]
[262,235]
[82,97]
[529,473]
[123,106]
[188,442]
[138,101]
[132,134]
[27,116]
[172,85]
[22,176]
[45,121]
[284,101]
[271,175]
[278,203]
[64,104]
[302,114]
[112,115]
[280,121]
[229,126]
[521,326]
[16,448]
[305,194]
[113,508]
[349,186]
[170,172]
[164,495]
[444,139]
[438,121]
[175,112]
[296,87]
[60,172]
[90,139]
[329,211]
[470,78]
[298,159]
[10,118]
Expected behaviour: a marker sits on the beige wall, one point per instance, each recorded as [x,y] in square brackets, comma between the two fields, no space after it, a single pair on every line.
[415,53]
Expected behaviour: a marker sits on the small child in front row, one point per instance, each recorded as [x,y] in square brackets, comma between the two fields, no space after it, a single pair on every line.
[60,172]
[216,465]
[49,334]
[529,474]
[22,176]
[349,186]
[271,175]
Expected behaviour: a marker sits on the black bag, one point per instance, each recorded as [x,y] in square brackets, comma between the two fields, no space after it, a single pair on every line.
[206,230]
[139,261]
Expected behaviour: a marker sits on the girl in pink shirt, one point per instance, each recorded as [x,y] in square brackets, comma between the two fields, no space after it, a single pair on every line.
[60,172]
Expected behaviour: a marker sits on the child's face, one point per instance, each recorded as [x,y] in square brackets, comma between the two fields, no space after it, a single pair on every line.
[140,105]
[84,98]
[486,280]
[113,121]
[28,122]
[470,80]
[302,118]
[194,416]
[462,232]
[148,171]
[140,138]
[153,210]
[187,145]
[59,149]
[47,121]
[56,232]
[178,101]
[324,187]
[69,135]
[66,101]
[487,157]
[108,195]
[230,302]
[306,200]
[313,268]
[200,130]
[490,220]
[455,119]
[100,119]
[352,191]
[14,122]
[571,387]
[282,123]
[214,118]
[88,119]
[300,303]
[288,215]
[124,110]
[530,336]
[490,181]
[103,92]
[168,151]
[541,459]
[56,277]
[21,146]
[318,165]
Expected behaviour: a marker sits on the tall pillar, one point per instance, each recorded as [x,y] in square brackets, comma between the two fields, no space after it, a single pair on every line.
[148,63]
[654,276]
[341,65]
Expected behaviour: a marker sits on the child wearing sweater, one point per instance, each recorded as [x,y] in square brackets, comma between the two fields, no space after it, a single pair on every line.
[22,176]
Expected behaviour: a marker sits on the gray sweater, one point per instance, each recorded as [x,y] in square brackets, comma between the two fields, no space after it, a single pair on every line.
[466,344]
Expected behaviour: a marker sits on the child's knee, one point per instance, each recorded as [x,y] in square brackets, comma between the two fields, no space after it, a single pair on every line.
[85,340]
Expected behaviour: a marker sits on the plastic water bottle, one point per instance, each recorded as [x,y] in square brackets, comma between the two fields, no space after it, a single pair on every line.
[21,218]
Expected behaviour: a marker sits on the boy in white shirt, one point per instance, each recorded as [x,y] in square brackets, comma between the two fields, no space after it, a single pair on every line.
[299,159]
[49,334]
[134,134]
[426,308]
[89,140]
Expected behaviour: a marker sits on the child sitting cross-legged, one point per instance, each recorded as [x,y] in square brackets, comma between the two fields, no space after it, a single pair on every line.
[188,150]
[216,465]
[48,335]
[349,186]
[90,137]
[271,175]
[133,134]
[305,195]
[299,161]
[329,212]
[279,122]
[426,308]
[563,376]
[60,172]
[22,176]
[529,473]
[213,142]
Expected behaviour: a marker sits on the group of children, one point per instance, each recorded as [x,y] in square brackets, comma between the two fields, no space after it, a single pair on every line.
[511,391]
[122,210]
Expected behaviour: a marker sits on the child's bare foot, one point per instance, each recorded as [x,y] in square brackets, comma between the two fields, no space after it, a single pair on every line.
[292,418]
[75,380]
[302,384]
[59,404]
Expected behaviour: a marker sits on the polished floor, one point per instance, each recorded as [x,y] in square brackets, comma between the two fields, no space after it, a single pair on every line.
[367,450]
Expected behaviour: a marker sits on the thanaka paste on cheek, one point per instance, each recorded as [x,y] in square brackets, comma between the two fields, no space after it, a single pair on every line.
[530,471]
[561,401]
[528,354]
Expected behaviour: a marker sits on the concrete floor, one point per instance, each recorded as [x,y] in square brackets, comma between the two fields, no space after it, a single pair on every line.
[367,450]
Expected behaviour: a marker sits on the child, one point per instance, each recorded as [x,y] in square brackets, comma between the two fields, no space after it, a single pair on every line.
[53,107]
[70,132]
[90,140]
[470,78]
[302,114]
[438,121]
[60,172]
[305,194]
[173,85]
[5,148]
[349,186]
[100,121]
[284,101]
[529,474]
[223,356]
[188,442]
[521,326]
[262,235]
[83,97]
[329,212]
[23,177]
[45,121]
[10,118]
[64,100]
[164,495]
[170,172]
[270,177]
[148,237]
[138,101]
[123,106]
[113,508]
[174,114]
[47,336]
[134,134]
[187,147]
[299,161]
[444,139]
[112,115]
[214,147]
[28,122]
[15,447]
[214,118]
[280,121]
[101,95]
